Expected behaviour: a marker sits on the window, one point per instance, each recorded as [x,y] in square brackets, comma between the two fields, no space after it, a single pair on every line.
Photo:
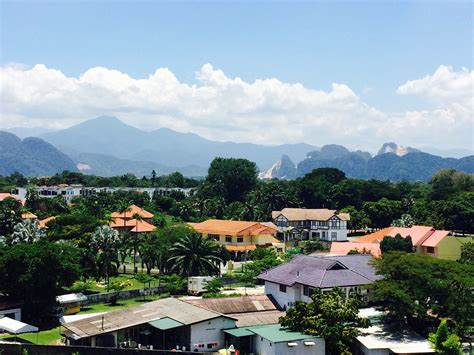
[214,237]
[240,239]
[333,235]
[228,239]
[430,250]
[308,291]
[283,288]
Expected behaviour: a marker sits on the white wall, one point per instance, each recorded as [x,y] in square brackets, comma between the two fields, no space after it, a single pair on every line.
[264,347]
[210,332]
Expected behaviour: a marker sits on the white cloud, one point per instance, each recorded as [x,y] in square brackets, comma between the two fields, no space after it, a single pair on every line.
[218,107]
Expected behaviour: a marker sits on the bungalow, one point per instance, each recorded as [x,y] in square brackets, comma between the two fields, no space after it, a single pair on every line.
[297,279]
[426,240]
[329,225]
[239,237]
[167,323]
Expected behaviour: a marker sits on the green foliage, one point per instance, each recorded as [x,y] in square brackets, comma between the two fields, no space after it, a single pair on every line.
[35,273]
[397,243]
[174,284]
[194,255]
[330,316]
[359,219]
[214,285]
[467,253]
[10,215]
[444,342]
[416,288]
[311,246]
[381,213]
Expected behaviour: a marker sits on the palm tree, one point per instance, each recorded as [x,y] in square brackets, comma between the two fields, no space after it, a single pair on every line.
[27,232]
[105,242]
[194,255]
[136,240]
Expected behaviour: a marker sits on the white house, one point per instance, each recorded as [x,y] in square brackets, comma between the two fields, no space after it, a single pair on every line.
[329,225]
[297,279]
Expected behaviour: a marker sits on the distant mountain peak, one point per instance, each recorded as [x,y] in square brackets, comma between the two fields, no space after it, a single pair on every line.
[394,148]
[282,169]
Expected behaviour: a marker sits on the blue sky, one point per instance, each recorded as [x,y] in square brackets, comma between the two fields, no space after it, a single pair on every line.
[373,47]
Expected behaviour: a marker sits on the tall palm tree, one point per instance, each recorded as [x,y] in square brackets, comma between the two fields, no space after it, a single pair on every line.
[105,242]
[194,255]
[136,239]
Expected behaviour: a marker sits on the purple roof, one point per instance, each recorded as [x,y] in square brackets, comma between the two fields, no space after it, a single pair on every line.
[323,272]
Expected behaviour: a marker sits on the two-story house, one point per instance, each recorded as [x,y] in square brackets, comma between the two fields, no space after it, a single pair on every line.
[239,237]
[329,225]
[297,279]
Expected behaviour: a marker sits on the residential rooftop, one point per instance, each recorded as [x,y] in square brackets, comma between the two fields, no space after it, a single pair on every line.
[303,214]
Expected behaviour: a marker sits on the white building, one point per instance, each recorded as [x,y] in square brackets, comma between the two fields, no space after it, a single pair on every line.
[71,191]
[324,224]
[297,279]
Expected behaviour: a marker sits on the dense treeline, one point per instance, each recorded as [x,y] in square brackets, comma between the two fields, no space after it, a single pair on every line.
[232,190]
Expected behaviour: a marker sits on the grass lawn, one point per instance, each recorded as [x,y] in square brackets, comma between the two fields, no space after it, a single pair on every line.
[121,304]
[101,287]
[45,337]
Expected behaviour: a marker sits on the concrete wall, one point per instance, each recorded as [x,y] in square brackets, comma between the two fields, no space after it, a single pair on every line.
[210,332]
[263,346]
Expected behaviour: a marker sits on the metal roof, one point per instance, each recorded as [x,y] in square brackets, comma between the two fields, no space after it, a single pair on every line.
[165,323]
[257,318]
[323,272]
[234,305]
[173,308]
[272,332]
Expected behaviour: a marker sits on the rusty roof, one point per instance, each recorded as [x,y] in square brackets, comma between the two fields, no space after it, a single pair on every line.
[255,318]
[227,305]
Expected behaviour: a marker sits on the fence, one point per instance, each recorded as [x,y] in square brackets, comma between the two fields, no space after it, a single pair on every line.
[33,349]
[107,297]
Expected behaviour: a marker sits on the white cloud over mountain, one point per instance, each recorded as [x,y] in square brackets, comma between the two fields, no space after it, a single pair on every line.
[218,107]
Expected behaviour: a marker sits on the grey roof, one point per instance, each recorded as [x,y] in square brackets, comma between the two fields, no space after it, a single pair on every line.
[323,272]
[242,304]
[173,308]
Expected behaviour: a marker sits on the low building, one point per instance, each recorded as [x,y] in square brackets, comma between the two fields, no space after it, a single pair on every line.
[297,279]
[166,324]
[127,221]
[324,224]
[426,240]
[271,339]
[239,237]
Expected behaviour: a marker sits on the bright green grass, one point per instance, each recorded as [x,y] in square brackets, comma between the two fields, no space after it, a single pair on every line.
[133,284]
[45,337]
[121,304]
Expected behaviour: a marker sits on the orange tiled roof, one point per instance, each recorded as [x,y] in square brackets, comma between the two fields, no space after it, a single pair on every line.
[240,247]
[134,209]
[225,227]
[343,248]
[121,223]
[4,195]
[42,223]
[418,234]
[434,239]
[140,226]
[28,215]
[375,237]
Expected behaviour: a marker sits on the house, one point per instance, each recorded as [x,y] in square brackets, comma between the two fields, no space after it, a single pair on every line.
[426,240]
[4,195]
[247,310]
[343,248]
[125,221]
[297,279]
[239,237]
[329,225]
[272,339]
[167,323]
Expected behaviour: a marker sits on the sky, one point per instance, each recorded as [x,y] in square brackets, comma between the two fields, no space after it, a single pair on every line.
[356,73]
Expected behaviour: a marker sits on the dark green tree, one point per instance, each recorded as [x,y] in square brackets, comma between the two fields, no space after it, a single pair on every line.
[397,243]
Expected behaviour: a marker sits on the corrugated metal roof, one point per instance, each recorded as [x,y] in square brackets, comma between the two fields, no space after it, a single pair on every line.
[173,308]
[165,323]
[234,305]
[255,318]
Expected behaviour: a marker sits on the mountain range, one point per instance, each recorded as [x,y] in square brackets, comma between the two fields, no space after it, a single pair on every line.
[106,146]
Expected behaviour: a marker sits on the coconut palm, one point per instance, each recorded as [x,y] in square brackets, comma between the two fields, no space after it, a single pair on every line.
[135,241]
[105,242]
[194,255]
[27,231]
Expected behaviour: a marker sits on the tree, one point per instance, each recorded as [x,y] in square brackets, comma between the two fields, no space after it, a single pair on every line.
[214,285]
[418,290]
[397,243]
[444,342]
[34,273]
[105,242]
[330,316]
[405,221]
[10,215]
[467,253]
[237,176]
[194,255]
[359,219]
[27,231]
[144,279]
[118,286]
[381,213]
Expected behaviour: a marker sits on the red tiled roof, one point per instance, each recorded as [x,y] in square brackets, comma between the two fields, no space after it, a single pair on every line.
[434,239]
[226,227]
[418,234]
[28,215]
[43,222]
[134,209]
[140,226]
[4,195]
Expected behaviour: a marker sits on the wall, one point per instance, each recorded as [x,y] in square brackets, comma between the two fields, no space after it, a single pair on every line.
[8,312]
[449,248]
[263,346]
[210,332]
[284,299]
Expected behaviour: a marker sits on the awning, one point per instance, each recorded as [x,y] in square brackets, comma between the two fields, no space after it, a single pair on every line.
[165,323]
[240,247]
[238,332]
[13,326]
